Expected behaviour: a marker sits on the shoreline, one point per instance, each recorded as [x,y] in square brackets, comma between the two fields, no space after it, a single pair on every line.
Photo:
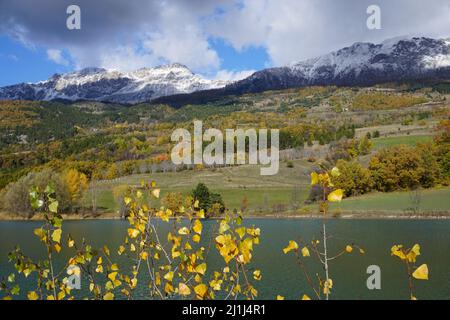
[369,215]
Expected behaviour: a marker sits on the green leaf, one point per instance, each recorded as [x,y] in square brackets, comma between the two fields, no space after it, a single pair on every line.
[53,207]
[11,277]
[36,203]
[49,190]
[57,222]
[56,235]
[335,172]
[15,290]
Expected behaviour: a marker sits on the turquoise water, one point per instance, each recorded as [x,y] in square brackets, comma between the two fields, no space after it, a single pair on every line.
[281,274]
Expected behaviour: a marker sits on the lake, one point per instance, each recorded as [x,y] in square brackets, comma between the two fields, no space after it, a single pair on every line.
[280,273]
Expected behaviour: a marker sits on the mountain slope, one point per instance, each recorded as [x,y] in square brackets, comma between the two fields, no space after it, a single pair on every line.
[113,86]
[359,64]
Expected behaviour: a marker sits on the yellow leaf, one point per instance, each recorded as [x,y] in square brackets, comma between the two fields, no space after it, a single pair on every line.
[224,226]
[327,286]
[215,284]
[197,227]
[397,251]
[41,234]
[56,235]
[155,192]
[280,297]
[108,296]
[314,178]
[196,238]
[61,295]
[169,276]
[305,252]
[201,214]
[336,195]
[32,295]
[99,269]
[291,246]
[144,255]
[71,243]
[240,232]
[127,200]
[196,204]
[201,290]
[421,272]
[183,231]
[133,233]
[183,289]
[112,276]
[57,247]
[133,283]
[201,269]
[227,247]
[305,297]
[168,288]
[121,250]
[257,275]
[349,248]
[413,253]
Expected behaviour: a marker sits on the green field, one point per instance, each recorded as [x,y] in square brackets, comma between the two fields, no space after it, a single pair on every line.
[233,183]
[271,194]
[381,143]
[432,201]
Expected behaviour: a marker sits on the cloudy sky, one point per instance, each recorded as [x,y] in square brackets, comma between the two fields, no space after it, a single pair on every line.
[224,39]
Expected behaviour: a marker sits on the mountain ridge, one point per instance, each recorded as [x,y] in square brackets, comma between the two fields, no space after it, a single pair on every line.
[361,64]
[100,84]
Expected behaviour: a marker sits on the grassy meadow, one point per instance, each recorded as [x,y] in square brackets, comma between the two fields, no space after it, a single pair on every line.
[284,193]
[412,140]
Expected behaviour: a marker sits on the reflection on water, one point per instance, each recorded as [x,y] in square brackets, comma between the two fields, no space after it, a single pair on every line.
[280,272]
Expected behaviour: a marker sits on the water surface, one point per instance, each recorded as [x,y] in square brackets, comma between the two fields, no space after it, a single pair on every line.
[281,275]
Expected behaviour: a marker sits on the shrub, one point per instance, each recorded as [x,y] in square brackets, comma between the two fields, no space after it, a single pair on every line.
[403,167]
[16,196]
[354,179]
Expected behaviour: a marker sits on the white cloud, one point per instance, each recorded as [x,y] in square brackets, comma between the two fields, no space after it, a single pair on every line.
[227,75]
[293,30]
[143,33]
[126,59]
[56,56]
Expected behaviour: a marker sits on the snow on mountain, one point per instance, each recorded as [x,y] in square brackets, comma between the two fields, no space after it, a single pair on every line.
[113,86]
[399,59]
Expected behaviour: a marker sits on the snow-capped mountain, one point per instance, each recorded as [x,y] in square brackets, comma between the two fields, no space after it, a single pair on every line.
[113,86]
[360,64]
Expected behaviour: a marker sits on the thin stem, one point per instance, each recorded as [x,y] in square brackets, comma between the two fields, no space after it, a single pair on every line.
[327,291]
[326,259]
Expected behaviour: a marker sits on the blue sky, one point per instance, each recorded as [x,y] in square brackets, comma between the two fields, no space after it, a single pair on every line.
[22,63]
[221,39]
[19,63]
